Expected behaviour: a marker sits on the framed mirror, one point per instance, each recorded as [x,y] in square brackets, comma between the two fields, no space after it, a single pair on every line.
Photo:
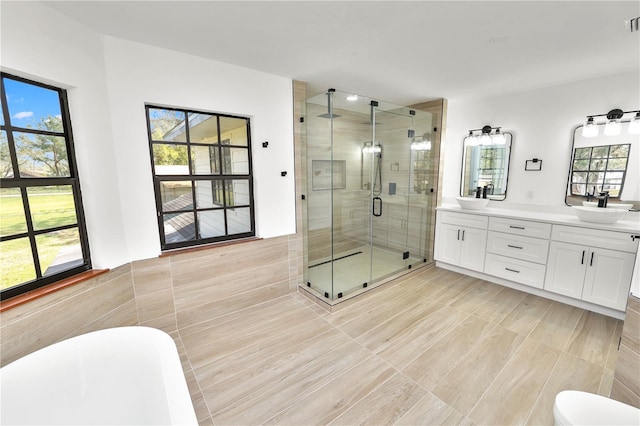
[605,163]
[485,163]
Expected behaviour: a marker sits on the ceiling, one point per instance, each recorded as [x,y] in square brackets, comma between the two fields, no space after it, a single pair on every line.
[398,51]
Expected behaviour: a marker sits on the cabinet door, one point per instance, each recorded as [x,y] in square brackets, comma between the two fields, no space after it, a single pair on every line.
[474,242]
[448,243]
[566,269]
[608,278]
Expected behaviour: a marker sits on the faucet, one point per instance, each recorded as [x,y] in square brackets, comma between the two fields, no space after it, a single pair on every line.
[589,196]
[603,198]
[485,191]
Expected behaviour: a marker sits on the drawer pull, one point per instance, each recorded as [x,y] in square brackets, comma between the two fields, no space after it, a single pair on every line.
[515,247]
[463,235]
[516,227]
[512,270]
[458,235]
[582,261]
[591,262]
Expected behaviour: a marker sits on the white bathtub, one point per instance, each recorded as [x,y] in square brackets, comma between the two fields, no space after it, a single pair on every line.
[127,375]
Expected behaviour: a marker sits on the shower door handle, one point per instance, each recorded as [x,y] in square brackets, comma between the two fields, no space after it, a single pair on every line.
[379,211]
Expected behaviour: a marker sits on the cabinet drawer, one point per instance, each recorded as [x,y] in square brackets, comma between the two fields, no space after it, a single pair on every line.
[518,246]
[595,238]
[463,219]
[520,227]
[528,273]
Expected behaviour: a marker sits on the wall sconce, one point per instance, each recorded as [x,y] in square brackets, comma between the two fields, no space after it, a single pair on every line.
[487,136]
[613,124]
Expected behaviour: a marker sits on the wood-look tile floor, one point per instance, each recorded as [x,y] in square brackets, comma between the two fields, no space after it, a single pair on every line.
[436,347]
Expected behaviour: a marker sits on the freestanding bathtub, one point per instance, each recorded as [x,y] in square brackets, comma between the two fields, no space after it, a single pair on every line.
[126,375]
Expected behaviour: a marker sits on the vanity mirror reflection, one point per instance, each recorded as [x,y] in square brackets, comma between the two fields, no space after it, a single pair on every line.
[604,163]
[485,163]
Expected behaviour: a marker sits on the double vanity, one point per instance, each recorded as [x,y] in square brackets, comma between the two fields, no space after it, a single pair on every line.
[557,256]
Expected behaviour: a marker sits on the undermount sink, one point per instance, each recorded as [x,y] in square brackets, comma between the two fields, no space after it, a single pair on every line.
[472,203]
[598,215]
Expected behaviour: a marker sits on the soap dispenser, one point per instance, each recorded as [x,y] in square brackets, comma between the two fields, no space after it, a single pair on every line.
[478,191]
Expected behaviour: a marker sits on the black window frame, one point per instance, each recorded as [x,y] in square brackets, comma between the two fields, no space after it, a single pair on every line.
[23,183]
[213,177]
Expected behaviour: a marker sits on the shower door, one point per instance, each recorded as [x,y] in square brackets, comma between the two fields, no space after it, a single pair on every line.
[391,217]
[363,223]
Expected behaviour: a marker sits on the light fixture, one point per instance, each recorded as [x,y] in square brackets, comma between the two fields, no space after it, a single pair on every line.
[634,126]
[498,138]
[590,130]
[471,140]
[613,125]
[487,136]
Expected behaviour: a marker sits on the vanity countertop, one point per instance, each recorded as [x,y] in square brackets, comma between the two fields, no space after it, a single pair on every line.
[556,218]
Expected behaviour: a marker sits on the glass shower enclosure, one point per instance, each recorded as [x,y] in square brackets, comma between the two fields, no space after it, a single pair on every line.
[370,181]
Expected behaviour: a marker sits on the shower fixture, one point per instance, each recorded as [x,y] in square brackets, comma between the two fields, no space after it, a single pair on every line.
[376,150]
[329,113]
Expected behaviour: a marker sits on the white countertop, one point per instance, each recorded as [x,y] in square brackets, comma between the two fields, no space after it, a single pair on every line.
[632,225]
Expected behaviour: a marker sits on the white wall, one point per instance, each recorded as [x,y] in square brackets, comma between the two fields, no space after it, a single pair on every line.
[139,74]
[108,81]
[41,44]
[542,122]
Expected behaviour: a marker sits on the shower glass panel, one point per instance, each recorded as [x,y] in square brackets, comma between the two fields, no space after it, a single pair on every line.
[368,193]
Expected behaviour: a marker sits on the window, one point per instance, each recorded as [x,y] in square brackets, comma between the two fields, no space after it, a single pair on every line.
[599,168]
[43,237]
[202,176]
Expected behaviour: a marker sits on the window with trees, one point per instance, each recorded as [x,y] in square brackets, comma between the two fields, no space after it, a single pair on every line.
[43,236]
[202,176]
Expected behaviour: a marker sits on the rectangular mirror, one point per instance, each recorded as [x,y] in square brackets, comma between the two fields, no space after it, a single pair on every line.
[605,163]
[485,163]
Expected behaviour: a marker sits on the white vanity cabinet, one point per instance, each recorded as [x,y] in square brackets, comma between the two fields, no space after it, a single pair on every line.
[547,254]
[461,239]
[517,250]
[592,265]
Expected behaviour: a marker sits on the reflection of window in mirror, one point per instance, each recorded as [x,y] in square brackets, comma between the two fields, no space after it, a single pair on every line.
[486,165]
[599,168]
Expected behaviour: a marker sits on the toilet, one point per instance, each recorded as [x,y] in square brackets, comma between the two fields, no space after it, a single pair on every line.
[583,408]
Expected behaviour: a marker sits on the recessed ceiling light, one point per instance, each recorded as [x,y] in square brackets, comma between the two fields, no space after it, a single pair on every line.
[352,98]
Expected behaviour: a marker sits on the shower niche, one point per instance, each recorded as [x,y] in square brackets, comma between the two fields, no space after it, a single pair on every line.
[370,178]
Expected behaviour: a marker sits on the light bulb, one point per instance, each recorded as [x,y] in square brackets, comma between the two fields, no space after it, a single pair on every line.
[590,129]
[499,138]
[471,140]
[612,128]
[634,126]
[485,139]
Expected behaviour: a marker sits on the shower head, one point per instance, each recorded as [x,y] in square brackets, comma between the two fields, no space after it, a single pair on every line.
[327,115]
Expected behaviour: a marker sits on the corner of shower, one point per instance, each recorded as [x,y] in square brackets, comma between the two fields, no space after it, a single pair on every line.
[369,193]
